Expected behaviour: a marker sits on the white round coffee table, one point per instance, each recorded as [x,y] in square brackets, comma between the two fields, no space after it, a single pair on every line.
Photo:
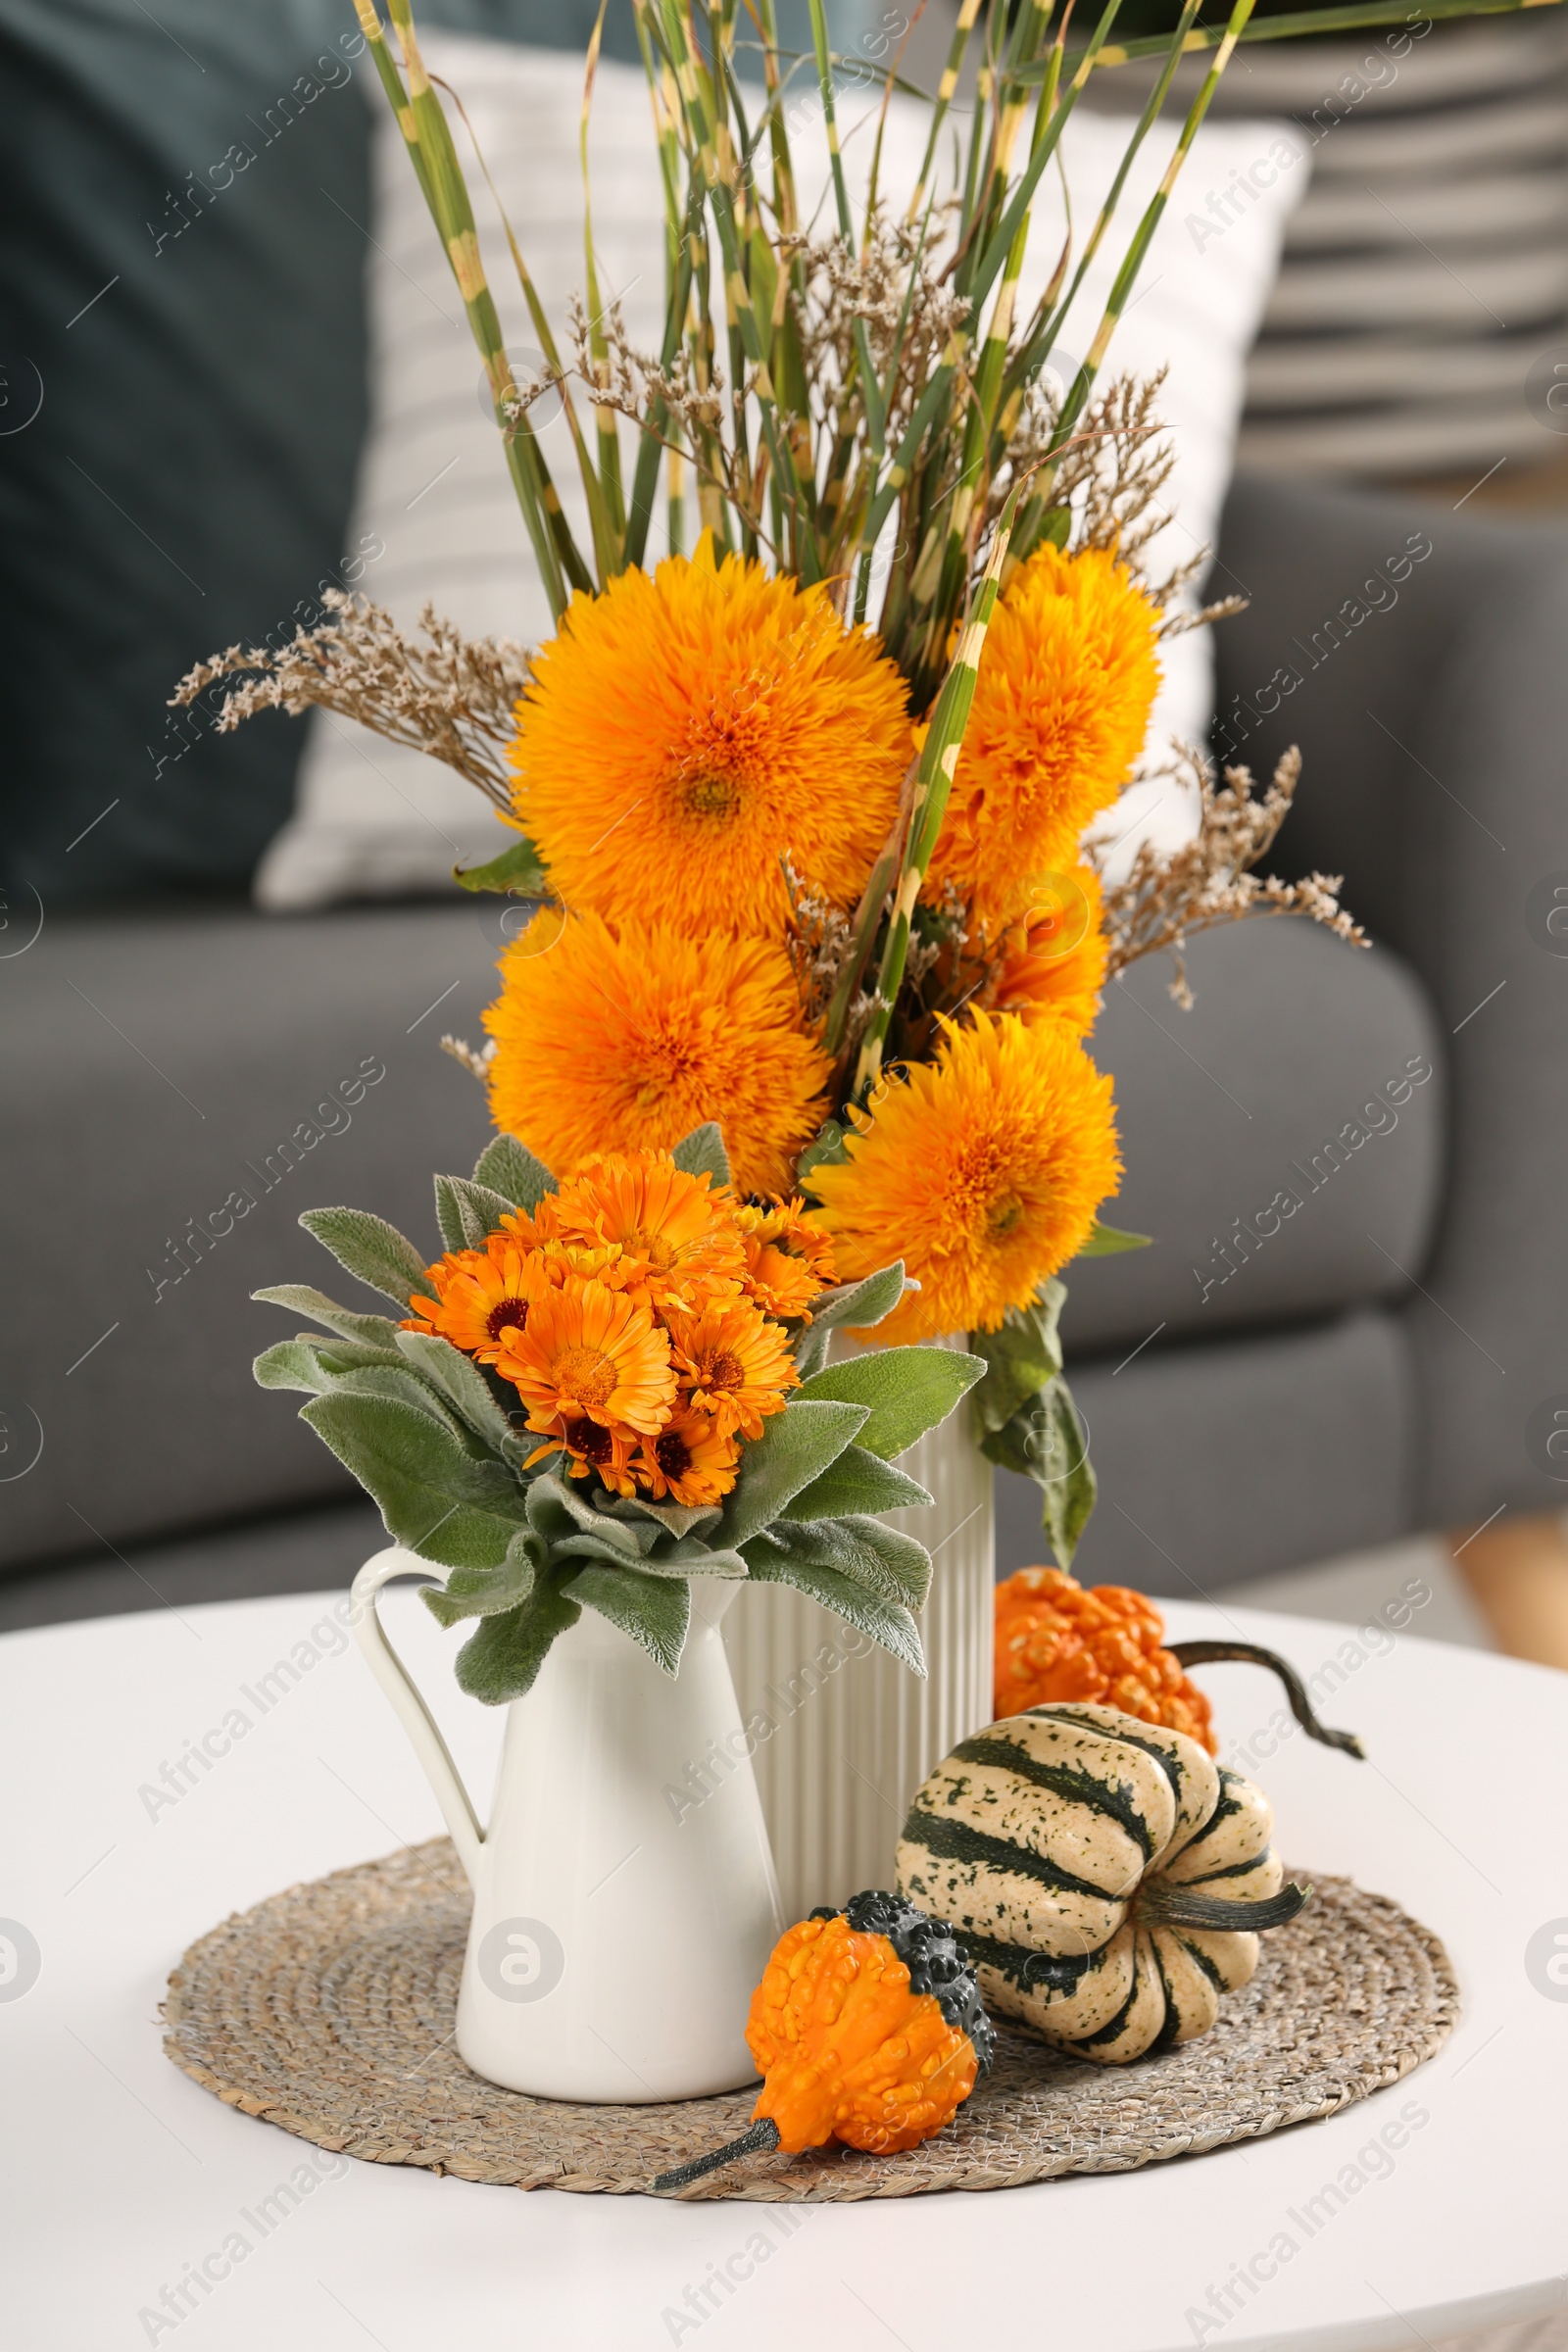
[164,1770]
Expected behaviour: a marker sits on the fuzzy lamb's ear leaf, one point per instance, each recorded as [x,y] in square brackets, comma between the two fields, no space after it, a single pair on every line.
[461,1384]
[467,1212]
[857,1481]
[511,1169]
[1021,1358]
[796,1445]
[316,1366]
[488,1591]
[655,1610]
[630,1538]
[292,1364]
[502,1660]
[434,1498]
[876,1557]
[887,1623]
[906,1390]
[372,1331]
[702,1152]
[372,1251]
[853,1305]
[455,1226]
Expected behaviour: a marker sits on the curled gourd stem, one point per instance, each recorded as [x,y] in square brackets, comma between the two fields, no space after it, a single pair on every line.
[1213,1653]
[760,2139]
[1164,1904]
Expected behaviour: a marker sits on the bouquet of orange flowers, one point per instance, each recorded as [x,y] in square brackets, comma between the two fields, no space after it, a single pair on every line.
[805,874]
[606,1386]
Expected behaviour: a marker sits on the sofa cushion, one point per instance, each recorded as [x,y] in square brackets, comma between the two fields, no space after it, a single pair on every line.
[182,287]
[178,1090]
[1229,1459]
[1284,1139]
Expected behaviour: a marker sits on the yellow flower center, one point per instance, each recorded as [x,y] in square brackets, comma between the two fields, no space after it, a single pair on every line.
[1001,1217]
[584,1375]
[710,795]
[651,1246]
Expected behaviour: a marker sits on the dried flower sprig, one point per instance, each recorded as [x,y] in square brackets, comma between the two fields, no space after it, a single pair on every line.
[453,697]
[1170,894]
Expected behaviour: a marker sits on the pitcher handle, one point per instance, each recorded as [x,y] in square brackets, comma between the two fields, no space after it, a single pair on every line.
[425,1737]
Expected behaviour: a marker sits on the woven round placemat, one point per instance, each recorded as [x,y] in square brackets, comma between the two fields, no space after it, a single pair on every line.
[329,2010]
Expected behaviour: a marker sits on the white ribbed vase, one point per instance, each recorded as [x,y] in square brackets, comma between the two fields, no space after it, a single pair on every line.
[844,1734]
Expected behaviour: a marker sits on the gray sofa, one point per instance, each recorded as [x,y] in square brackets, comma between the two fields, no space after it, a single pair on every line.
[1352,1162]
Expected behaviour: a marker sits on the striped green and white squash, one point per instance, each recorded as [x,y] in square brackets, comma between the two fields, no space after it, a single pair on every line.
[1107,1877]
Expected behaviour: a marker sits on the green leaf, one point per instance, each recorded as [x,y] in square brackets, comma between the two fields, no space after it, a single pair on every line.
[467,1213]
[372,1251]
[861,1304]
[434,1498]
[1056,526]
[502,1660]
[692,1559]
[1108,1241]
[509,1168]
[827,1148]
[401,1384]
[702,1152]
[315,1365]
[853,1305]
[908,1390]
[516,872]
[488,1591]
[1021,1358]
[1046,1441]
[292,1364]
[677,1519]
[560,1507]
[857,1481]
[796,1445]
[463,1386]
[876,1557]
[372,1331]
[887,1624]
[655,1610]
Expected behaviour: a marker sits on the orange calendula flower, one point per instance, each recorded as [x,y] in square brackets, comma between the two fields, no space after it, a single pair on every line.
[982,1170]
[1052,963]
[677,1238]
[733,1363]
[788,1257]
[594,1452]
[692,1460]
[1067,679]
[685,728]
[612,1043]
[482,1295]
[588,1352]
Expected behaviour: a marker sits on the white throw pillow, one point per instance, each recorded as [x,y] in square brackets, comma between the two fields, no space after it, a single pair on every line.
[435,515]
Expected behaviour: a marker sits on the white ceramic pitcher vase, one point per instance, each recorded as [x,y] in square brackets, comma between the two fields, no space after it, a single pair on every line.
[618,1928]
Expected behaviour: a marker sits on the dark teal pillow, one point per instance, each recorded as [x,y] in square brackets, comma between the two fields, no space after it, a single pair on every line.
[182,400]
[181,285]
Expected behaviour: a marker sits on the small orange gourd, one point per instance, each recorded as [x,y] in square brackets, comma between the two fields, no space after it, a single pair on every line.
[1058,1645]
[867,2027]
